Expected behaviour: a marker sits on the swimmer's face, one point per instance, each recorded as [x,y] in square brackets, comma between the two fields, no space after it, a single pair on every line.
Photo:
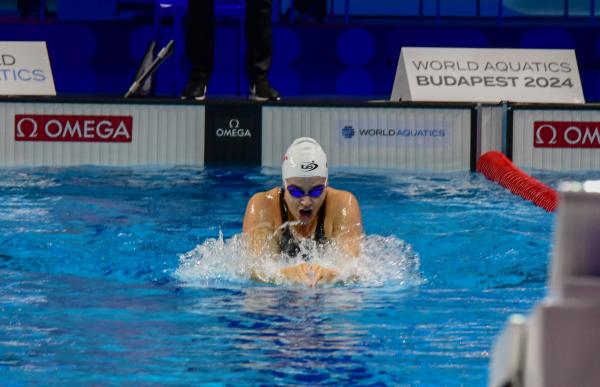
[305,207]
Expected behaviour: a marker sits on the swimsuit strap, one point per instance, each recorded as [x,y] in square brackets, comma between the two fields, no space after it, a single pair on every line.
[287,243]
[320,230]
[283,206]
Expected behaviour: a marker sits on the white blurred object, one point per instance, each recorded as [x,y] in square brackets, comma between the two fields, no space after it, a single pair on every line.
[576,256]
[559,343]
[509,354]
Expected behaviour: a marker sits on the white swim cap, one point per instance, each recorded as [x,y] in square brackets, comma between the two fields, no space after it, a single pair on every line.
[304,158]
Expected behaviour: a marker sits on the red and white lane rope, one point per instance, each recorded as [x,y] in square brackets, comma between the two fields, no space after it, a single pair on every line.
[497,167]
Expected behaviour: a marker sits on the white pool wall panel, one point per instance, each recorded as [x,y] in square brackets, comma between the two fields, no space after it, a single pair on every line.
[446,145]
[161,135]
[525,155]
[491,133]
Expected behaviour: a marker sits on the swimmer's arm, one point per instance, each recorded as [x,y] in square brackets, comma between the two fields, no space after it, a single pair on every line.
[262,240]
[260,236]
[262,248]
[348,230]
[258,226]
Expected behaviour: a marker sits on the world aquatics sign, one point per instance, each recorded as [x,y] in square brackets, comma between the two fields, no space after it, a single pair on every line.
[25,69]
[487,75]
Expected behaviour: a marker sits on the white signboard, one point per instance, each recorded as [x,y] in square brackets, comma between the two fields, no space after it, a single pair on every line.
[487,75]
[408,139]
[25,69]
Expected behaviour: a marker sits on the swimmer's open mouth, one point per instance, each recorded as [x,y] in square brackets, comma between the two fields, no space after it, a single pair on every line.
[305,212]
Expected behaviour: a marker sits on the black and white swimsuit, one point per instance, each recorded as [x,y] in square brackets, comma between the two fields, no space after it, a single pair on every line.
[288,244]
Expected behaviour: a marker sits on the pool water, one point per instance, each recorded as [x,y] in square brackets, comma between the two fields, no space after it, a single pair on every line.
[136,275]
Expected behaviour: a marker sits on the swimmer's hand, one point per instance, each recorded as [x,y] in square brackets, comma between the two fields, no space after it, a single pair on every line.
[309,274]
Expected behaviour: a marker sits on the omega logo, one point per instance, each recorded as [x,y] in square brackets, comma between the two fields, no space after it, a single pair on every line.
[567,134]
[37,127]
[538,134]
[233,130]
[234,123]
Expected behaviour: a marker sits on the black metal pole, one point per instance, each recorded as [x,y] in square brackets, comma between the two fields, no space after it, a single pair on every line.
[162,55]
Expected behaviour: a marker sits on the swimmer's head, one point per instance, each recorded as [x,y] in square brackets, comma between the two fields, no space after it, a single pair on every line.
[304,158]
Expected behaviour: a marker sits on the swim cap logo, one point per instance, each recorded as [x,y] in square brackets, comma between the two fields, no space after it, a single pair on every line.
[348,131]
[307,167]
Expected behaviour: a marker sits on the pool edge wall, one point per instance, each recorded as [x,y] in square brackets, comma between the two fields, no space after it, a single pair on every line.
[406,136]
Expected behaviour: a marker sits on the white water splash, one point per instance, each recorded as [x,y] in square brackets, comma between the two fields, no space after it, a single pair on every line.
[383,260]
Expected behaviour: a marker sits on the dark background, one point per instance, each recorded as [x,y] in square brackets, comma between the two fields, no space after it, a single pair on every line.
[96,46]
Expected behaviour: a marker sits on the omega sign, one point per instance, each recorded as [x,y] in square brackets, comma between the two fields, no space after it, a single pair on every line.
[73,128]
[233,130]
[558,134]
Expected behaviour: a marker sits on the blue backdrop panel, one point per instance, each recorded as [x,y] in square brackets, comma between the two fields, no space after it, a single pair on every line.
[100,58]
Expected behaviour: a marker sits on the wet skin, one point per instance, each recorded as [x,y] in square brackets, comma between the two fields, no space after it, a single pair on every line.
[342,225]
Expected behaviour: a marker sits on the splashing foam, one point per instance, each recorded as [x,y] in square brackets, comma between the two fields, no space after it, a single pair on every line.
[383,261]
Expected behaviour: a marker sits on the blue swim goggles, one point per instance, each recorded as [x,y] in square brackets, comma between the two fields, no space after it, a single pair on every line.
[298,192]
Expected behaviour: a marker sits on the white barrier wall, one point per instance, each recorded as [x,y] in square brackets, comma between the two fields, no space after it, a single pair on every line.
[428,138]
[556,139]
[61,134]
[410,139]
[491,128]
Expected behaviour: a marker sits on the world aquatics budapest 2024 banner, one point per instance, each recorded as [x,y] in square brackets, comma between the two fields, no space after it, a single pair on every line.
[487,75]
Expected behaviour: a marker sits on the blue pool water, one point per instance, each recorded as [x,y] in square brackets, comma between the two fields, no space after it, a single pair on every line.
[119,275]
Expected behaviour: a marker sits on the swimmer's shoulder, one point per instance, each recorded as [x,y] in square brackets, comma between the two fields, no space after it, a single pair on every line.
[266,198]
[342,211]
[264,205]
[339,199]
